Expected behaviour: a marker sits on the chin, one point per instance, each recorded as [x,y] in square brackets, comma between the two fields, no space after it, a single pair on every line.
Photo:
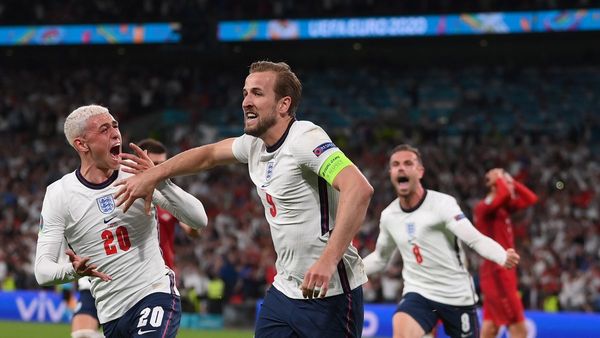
[114,166]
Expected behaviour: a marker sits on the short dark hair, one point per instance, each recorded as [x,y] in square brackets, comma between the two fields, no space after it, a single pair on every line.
[152,146]
[286,84]
[407,147]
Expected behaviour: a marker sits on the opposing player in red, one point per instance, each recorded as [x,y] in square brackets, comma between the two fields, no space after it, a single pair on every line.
[157,152]
[501,302]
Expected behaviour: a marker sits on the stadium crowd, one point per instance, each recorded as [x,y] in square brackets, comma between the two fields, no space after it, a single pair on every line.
[539,123]
[203,11]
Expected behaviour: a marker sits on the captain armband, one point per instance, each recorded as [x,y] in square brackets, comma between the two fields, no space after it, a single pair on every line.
[333,165]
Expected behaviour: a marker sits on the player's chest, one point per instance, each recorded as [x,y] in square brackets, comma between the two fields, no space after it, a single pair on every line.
[407,229]
[275,173]
[95,213]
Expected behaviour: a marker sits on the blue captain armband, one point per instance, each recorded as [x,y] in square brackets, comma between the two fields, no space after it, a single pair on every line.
[333,165]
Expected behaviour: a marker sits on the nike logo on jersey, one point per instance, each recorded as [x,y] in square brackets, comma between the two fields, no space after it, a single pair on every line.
[140,332]
[106,220]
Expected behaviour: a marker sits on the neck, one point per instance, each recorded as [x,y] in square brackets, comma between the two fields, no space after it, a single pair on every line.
[93,174]
[413,198]
[275,133]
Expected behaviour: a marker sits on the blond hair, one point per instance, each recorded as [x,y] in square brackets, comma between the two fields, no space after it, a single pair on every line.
[76,122]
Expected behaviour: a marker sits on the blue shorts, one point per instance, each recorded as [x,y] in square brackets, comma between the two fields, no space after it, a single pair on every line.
[335,316]
[459,321]
[155,316]
[86,304]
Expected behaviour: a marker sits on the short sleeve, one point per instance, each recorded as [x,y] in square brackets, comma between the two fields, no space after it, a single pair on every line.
[241,147]
[314,149]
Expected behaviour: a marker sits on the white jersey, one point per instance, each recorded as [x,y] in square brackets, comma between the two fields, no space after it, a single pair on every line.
[427,237]
[300,206]
[122,245]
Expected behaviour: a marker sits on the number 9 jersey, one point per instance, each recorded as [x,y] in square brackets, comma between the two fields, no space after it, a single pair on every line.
[293,180]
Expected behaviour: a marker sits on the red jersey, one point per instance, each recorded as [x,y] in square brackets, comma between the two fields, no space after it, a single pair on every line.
[166,231]
[492,215]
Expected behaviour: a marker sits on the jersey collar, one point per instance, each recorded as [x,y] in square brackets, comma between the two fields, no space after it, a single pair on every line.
[418,204]
[279,142]
[96,186]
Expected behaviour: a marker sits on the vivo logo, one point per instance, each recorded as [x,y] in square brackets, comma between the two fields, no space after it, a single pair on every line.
[371,324]
[40,308]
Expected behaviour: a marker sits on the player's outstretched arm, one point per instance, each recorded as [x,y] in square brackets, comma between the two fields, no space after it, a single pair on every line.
[377,261]
[355,195]
[483,245]
[512,258]
[188,162]
[181,204]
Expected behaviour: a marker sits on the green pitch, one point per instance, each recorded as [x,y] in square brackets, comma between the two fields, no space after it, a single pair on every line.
[38,330]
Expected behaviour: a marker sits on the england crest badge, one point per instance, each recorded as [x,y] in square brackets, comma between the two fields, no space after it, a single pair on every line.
[106,204]
[411,231]
[269,173]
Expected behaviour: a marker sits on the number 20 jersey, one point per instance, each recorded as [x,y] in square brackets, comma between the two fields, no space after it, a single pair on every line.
[122,245]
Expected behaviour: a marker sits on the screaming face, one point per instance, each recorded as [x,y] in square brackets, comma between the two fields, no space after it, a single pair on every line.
[405,172]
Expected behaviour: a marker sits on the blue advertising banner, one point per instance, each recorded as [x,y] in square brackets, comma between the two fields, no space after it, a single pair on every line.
[378,323]
[124,33]
[402,26]
[34,306]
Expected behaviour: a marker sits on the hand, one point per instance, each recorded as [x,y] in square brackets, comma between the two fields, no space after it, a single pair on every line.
[138,186]
[136,164]
[493,174]
[80,264]
[512,258]
[316,280]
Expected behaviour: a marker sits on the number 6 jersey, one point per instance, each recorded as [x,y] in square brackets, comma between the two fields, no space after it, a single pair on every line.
[122,245]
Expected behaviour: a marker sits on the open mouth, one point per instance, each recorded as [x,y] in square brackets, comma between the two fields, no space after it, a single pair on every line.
[402,179]
[115,151]
[251,116]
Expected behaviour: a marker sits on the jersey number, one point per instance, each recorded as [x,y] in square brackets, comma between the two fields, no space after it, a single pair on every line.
[156,316]
[272,209]
[417,253]
[122,239]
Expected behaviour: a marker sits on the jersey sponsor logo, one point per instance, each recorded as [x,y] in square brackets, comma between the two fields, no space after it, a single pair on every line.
[459,216]
[323,147]
[108,219]
[143,332]
[106,204]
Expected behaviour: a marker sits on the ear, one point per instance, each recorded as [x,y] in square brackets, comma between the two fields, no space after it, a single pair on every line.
[80,145]
[283,106]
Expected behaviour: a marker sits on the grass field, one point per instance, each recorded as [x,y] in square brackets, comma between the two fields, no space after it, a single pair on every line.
[39,330]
